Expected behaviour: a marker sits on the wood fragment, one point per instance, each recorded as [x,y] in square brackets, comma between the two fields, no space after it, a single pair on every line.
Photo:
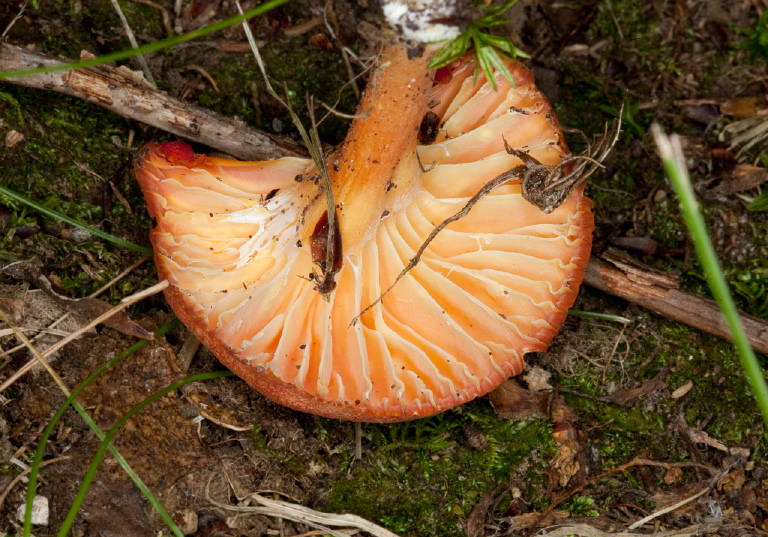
[617,274]
[128,94]
[624,397]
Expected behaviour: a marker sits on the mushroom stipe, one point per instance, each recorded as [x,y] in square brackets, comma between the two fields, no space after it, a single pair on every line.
[443,275]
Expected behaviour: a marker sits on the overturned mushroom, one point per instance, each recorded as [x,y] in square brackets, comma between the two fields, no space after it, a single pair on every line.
[353,334]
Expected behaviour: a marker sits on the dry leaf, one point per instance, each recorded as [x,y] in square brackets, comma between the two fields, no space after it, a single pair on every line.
[564,462]
[90,308]
[682,390]
[478,516]
[512,401]
[624,397]
[740,178]
[744,107]
[734,480]
[701,437]
[537,379]
[673,475]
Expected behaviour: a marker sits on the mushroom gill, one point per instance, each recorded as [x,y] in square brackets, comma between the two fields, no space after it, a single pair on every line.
[243,245]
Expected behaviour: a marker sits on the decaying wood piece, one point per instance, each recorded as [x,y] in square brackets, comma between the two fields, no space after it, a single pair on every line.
[128,94]
[618,274]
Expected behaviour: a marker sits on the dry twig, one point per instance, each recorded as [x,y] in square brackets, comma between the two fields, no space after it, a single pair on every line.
[128,94]
[304,515]
[618,274]
[23,474]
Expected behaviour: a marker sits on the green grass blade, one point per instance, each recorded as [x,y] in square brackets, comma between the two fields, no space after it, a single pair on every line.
[760,203]
[105,443]
[38,457]
[598,316]
[58,216]
[150,47]
[674,163]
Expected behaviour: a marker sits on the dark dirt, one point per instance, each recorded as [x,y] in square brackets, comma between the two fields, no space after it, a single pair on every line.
[643,415]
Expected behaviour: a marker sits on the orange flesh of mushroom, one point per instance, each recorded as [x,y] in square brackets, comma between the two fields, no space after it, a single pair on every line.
[233,239]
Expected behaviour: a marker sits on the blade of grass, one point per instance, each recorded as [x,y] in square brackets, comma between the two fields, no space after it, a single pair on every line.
[311,141]
[674,163]
[38,457]
[150,47]
[598,316]
[58,216]
[105,443]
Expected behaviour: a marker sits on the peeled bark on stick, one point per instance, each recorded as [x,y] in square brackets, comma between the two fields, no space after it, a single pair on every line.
[618,274]
[127,93]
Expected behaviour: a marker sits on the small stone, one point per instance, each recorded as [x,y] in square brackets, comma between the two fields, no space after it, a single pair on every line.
[475,437]
[187,521]
[13,138]
[39,511]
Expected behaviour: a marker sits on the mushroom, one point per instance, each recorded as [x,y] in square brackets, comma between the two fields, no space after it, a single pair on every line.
[418,307]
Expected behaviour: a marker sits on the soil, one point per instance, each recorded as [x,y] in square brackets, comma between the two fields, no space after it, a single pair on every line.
[618,420]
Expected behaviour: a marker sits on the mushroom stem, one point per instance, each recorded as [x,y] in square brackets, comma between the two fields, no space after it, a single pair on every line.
[379,155]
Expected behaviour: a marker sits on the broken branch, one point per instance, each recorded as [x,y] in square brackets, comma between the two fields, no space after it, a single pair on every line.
[619,275]
[127,93]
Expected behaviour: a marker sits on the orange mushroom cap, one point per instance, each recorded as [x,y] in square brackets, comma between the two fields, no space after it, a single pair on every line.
[236,241]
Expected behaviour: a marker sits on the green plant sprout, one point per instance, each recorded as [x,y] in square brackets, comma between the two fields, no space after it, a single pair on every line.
[489,49]
[674,163]
[760,203]
[756,43]
[599,316]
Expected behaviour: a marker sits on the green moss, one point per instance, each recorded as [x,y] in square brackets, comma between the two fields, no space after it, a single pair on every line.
[749,285]
[719,402]
[297,72]
[422,478]
[65,161]
[580,506]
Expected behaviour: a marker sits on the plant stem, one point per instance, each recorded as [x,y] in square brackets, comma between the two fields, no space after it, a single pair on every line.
[674,163]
